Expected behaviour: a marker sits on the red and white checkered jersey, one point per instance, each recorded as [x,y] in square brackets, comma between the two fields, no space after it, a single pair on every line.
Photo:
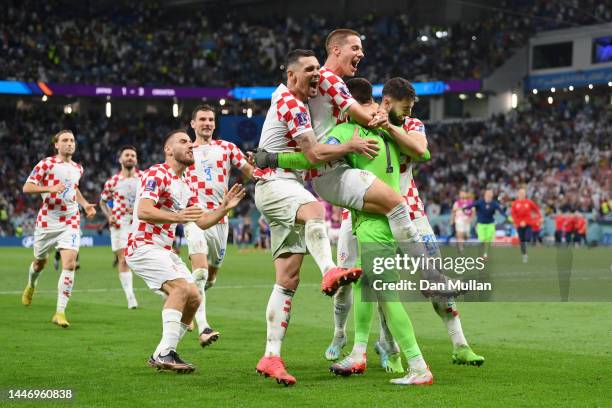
[408,188]
[287,119]
[209,173]
[328,106]
[169,192]
[59,210]
[122,191]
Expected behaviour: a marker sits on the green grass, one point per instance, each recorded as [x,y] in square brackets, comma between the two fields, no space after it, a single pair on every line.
[538,354]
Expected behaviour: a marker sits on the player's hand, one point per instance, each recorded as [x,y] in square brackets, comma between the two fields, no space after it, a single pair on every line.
[522,224]
[366,147]
[90,211]
[232,197]
[57,188]
[263,159]
[111,220]
[190,214]
[381,119]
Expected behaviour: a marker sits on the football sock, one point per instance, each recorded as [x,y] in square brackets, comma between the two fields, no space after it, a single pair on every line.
[343,300]
[200,276]
[278,313]
[447,310]
[33,276]
[318,244]
[182,330]
[386,338]
[64,289]
[402,228]
[171,332]
[126,283]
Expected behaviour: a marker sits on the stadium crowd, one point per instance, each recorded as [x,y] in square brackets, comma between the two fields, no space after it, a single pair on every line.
[562,154]
[149,45]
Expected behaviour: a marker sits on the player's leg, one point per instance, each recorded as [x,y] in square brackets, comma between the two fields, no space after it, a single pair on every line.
[387,348]
[164,271]
[43,242]
[522,234]
[482,233]
[197,246]
[346,254]
[68,243]
[119,237]
[278,313]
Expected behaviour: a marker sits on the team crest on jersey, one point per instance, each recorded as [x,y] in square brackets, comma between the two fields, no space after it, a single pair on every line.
[332,141]
[345,92]
[302,118]
[151,185]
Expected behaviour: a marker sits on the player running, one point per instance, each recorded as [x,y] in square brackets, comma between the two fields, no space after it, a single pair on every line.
[165,198]
[462,219]
[56,179]
[523,212]
[121,190]
[398,99]
[485,223]
[297,219]
[213,160]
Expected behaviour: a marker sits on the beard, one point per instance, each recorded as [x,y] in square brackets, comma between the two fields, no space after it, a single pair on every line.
[395,119]
[184,160]
[129,166]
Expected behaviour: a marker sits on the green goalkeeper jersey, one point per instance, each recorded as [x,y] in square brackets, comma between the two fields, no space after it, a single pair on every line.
[385,166]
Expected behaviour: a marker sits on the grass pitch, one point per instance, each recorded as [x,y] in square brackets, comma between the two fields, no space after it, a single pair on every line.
[537,354]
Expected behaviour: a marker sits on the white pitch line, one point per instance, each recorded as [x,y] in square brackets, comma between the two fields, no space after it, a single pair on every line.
[19,292]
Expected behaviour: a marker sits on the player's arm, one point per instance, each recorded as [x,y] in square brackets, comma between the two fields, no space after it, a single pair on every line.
[324,152]
[90,209]
[230,200]
[32,188]
[106,194]
[361,114]
[149,213]
[410,138]
[453,213]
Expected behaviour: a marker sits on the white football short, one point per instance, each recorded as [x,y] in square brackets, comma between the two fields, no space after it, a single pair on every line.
[119,237]
[344,186]
[211,242]
[44,241]
[156,265]
[462,226]
[279,200]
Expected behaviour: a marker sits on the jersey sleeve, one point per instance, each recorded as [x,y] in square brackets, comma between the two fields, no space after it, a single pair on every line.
[332,85]
[107,191]
[236,156]
[414,125]
[340,134]
[154,183]
[38,173]
[294,114]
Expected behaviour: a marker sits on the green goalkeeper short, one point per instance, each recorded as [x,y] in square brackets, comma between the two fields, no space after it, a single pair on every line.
[485,232]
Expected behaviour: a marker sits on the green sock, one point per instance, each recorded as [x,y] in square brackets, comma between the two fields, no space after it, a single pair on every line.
[401,327]
[295,161]
[363,315]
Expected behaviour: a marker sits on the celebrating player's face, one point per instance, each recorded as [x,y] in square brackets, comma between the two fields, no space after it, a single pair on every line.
[128,159]
[400,110]
[303,77]
[65,144]
[351,52]
[204,124]
[181,148]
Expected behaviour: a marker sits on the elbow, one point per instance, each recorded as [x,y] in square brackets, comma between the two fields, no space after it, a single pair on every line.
[143,214]
[26,189]
[422,148]
[313,156]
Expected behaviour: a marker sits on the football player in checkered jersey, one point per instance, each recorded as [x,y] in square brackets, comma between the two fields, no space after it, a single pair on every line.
[213,160]
[121,190]
[56,179]
[165,198]
[296,218]
[337,182]
[414,141]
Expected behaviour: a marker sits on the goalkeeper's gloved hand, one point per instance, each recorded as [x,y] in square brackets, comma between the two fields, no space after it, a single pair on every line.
[264,159]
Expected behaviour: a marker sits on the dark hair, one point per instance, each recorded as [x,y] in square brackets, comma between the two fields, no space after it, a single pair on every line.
[56,136]
[360,89]
[172,133]
[294,56]
[339,36]
[399,88]
[127,147]
[204,108]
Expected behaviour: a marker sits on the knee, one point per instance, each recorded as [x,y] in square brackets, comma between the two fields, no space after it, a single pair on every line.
[39,264]
[70,264]
[194,297]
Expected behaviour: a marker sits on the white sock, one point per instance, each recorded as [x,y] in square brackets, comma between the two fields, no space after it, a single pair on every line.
[182,330]
[402,227]
[126,283]
[358,351]
[171,332]
[210,284]
[318,244]
[33,276]
[417,363]
[343,300]
[200,276]
[386,338]
[278,313]
[447,310]
[64,289]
